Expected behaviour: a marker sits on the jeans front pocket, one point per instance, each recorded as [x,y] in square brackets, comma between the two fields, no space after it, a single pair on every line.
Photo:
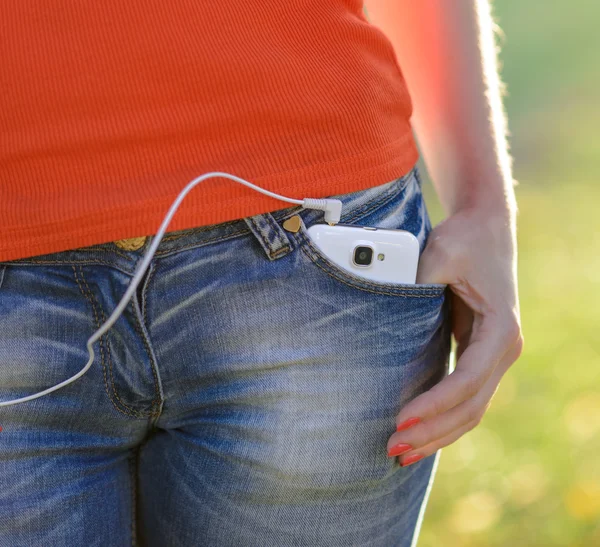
[361,350]
[319,259]
[404,209]
[410,321]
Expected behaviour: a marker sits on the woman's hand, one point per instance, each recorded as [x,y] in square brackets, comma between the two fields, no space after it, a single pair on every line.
[474,252]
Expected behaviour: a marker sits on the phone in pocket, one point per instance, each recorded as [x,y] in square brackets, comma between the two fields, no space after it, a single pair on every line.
[383,255]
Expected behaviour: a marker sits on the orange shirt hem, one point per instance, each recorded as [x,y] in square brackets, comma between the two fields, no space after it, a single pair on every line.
[344,175]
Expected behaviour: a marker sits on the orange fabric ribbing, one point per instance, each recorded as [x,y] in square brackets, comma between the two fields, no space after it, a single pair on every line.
[108,109]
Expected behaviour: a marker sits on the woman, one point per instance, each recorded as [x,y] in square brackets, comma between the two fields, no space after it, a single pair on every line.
[251,393]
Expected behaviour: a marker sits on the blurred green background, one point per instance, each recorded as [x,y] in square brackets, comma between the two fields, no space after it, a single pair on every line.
[530,473]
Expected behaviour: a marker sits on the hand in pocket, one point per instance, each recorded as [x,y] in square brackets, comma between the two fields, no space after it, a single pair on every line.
[475,254]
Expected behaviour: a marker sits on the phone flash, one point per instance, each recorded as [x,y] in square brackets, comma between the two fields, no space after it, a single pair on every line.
[380,256]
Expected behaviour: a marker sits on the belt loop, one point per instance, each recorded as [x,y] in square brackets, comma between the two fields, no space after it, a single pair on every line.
[270,235]
[417,174]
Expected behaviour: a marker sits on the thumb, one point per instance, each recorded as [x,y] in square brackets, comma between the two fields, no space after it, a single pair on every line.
[432,264]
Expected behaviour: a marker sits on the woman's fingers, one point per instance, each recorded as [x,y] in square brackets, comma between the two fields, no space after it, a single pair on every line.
[489,342]
[415,455]
[473,252]
[426,437]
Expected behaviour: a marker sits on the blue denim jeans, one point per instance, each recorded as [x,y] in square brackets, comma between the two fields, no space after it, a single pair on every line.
[245,396]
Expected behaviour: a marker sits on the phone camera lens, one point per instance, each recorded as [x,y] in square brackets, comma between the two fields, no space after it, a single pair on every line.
[363,256]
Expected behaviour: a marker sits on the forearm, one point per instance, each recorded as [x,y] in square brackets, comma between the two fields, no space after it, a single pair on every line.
[459,121]
[447,55]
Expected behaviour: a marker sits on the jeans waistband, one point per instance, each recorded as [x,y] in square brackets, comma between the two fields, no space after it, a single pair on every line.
[267,228]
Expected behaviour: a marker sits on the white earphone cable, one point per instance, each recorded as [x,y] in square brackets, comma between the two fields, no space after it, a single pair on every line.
[331,207]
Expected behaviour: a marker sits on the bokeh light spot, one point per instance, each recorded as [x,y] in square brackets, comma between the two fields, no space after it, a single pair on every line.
[528,483]
[475,512]
[582,416]
[583,500]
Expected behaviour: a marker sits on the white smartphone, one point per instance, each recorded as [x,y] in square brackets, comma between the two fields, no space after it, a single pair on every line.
[384,255]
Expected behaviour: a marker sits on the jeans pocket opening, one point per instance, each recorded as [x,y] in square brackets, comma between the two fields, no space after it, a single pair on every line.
[319,259]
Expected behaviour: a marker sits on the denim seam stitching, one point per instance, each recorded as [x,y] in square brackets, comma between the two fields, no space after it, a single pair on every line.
[260,232]
[110,360]
[102,250]
[157,398]
[278,240]
[281,237]
[383,201]
[155,413]
[280,251]
[201,243]
[144,291]
[128,411]
[110,365]
[418,176]
[197,229]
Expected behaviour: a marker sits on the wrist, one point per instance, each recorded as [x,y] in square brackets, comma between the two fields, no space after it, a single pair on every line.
[489,193]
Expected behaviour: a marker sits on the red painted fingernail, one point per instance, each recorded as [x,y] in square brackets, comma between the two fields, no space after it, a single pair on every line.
[398,449]
[411,459]
[0,428]
[408,423]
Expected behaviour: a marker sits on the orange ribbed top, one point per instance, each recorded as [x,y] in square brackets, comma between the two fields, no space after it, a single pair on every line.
[108,109]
